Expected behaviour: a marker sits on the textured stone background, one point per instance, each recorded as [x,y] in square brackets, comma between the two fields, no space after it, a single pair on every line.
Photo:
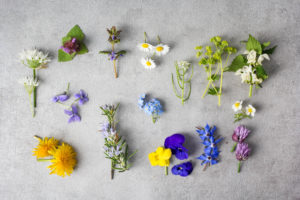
[272,172]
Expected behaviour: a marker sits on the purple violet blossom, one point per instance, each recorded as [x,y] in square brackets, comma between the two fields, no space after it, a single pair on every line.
[60,98]
[71,46]
[183,169]
[82,97]
[240,134]
[175,143]
[74,116]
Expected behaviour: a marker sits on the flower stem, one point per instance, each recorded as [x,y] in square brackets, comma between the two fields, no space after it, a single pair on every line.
[166,170]
[233,147]
[239,167]
[221,84]
[209,82]
[205,166]
[44,160]
[31,105]
[34,89]
[114,61]
[182,90]
[112,171]
[250,90]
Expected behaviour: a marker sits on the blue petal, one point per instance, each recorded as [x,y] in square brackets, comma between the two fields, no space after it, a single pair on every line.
[181,155]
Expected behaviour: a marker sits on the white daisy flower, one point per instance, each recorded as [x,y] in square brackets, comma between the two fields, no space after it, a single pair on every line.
[251,57]
[161,49]
[34,58]
[148,63]
[146,47]
[250,110]
[262,57]
[237,106]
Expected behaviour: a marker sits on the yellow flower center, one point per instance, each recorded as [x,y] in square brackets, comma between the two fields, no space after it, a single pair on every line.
[145,45]
[237,105]
[148,63]
[159,48]
[250,110]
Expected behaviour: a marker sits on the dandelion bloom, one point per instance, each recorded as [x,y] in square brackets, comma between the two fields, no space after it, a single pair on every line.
[45,145]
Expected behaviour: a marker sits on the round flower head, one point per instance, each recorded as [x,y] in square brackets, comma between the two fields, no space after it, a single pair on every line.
[242,151]
[240,134]
[148,63]
[183,169]
[34,58]
[45,145]
[64,160]
[160,157]
[250,110]
[161,49]
[237,106]
[146,47]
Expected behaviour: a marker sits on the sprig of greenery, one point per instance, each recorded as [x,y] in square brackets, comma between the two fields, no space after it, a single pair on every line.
[211,60]
[182,68]
[240,116]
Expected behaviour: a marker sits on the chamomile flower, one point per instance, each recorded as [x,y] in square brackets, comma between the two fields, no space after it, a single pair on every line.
[250,110]
[237,106]
[146,47]
[161,49]
[148,63]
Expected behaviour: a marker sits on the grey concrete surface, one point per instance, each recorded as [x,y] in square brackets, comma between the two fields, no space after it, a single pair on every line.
[272,172]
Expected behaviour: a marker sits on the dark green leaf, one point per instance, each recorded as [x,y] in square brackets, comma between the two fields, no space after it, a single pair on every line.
[214,77]
[236,64]
[83,49]
[64,57]
[212,91]
[269,51]
[77,33]
[253,44]
[260,72]
[104,52]
[265,44]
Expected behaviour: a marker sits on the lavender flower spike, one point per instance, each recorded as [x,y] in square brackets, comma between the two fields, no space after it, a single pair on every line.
[74,116]
[82,97]
[242,153]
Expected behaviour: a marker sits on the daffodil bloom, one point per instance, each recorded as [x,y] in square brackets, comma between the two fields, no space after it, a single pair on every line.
[64,160]
[146,47]
[237,106]
[148,63]
[160,157]
[250,110]
[44,147]
[161,49]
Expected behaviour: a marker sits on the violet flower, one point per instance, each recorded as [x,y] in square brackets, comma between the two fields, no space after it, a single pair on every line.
[71,46]
[175,143]
[183,169]
[112,56]
[82,97]
[239,135]
[242,153]
[60,98]
[74,116]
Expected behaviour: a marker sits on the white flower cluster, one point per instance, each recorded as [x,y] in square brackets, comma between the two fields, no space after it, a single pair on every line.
[29,81]
[34,58]
[183,65]
[250,110]
[159,50]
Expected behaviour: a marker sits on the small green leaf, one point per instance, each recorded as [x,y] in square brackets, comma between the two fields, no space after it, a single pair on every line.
[212,91]
[265,44]
[214,77]
[198,47]
[236,64]
[269,51]
[253,44]
[104,52]
[65,39]
[260,72]
[83,49]
[64,57]
[77,33]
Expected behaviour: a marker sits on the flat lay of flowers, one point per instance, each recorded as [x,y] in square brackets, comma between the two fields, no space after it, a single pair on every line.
[35,60]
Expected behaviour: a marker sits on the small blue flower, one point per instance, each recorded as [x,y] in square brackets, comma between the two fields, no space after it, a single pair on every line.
[152,107]
[183,169]
[211,145]
[206,132]
[175,143]
[209,158]
[142,101]
[74,116]
[82,97]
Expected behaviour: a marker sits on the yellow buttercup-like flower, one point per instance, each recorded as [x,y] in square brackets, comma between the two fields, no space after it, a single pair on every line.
[45,145]
[64,160]
[160,157]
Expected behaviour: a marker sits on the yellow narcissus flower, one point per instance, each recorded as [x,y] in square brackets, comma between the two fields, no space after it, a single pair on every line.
[45,146]
[160,157]
[64,160]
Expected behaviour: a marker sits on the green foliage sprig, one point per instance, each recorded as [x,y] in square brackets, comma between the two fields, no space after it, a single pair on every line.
[115,147]
[212,62]
[182,68]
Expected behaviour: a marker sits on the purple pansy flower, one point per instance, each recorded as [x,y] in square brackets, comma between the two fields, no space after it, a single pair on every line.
[175,143]
[82,97]
[61,98]
[242,151]
[71,46]
[74,116]
[183,169]
[240,134]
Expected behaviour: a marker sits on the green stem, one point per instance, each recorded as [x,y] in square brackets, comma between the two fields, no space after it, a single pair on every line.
[68,87]
[209,82]
[182,90]
[153,119]
[166,170]
[250,90]
[233,147]
[239,167]
[145,37]
[31,105]
[221,84]
[34,89]
[44,160]
[112,171]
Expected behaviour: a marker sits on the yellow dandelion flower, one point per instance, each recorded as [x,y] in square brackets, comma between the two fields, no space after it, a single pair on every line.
[45,145]
[64,160]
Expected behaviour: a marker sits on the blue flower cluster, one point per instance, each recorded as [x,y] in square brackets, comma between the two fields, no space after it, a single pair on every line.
[152,107]
[211,152]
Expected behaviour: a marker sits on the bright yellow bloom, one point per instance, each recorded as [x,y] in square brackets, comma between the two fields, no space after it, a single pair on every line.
[160,157]
[45,145]
[64,160]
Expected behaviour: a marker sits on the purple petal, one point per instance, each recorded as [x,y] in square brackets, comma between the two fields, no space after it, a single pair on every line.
[68,112]
[77,95]
[74,109]
[63,97]
[77,118]
[54,99]
[174,140]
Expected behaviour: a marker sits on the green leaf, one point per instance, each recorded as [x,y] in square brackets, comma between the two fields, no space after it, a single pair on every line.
[236,64]
[64,57]
[65,39]
[265,44]
[83,49]
[214,77]
[253,44]
[104,52]
[260,72]
[269,51]
[122,52]
[77,33]
[212,91]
